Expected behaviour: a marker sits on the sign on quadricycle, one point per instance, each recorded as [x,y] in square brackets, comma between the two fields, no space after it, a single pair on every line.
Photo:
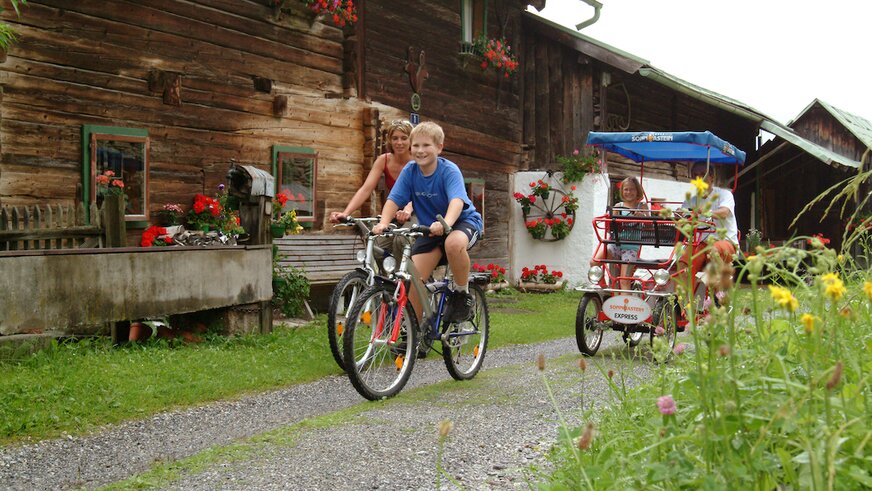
[626,309]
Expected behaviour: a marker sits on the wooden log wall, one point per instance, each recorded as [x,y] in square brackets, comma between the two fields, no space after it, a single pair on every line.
[202,77]
[479,111]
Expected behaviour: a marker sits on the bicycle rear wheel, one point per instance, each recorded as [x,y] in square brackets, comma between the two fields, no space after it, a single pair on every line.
[377,366]
[464,343]
[344,295]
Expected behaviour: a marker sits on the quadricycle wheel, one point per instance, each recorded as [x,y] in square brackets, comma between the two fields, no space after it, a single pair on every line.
[379,354]
[464,343]
[665,320]
[344,295]
[588,327]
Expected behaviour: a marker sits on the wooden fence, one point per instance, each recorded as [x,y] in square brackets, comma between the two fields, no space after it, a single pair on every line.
[50,227]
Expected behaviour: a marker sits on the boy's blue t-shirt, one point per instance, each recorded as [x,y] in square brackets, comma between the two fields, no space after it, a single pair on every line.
[431,194]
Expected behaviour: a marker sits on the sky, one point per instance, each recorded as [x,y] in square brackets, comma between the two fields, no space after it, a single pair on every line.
[776,56]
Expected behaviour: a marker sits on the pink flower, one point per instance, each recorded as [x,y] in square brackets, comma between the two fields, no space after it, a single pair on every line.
[575,152]
[658,331]
[666,405]
[679,348]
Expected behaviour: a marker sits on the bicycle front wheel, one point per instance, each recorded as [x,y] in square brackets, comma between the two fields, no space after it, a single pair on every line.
[379,346]
[344,295]
[465,343]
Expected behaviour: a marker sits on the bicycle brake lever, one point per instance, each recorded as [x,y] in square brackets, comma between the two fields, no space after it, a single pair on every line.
[445,227]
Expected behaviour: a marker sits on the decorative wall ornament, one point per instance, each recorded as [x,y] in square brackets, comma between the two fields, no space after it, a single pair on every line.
[549,208]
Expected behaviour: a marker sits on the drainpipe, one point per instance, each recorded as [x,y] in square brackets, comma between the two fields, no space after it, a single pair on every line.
[596,13]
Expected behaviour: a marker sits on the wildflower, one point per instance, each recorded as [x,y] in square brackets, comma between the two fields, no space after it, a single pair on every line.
[867,289]
[724,350]
[833,286]
[540,362]
[666,405]
[586,437]
[679,348]
[700,185]
[582,364]
[836,377]
[807,323]
[783,297]
[659,331]
[575,152]
[445,427]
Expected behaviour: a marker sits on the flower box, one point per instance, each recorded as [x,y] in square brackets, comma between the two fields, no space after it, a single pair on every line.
[541,287]
[495,287]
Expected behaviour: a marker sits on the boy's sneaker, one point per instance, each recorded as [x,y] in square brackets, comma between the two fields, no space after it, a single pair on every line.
[460,307]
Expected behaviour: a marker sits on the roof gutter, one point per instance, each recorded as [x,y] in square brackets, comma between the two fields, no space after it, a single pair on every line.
[596,13]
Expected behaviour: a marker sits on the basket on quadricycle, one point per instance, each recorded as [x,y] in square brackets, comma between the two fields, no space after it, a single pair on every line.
[651,305]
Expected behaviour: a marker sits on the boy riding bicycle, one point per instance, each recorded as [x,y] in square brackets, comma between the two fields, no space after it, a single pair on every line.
[435,186]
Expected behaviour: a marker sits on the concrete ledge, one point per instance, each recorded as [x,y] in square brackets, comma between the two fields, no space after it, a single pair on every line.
[78,291]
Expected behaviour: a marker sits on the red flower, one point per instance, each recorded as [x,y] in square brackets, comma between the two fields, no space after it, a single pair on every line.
[199,206]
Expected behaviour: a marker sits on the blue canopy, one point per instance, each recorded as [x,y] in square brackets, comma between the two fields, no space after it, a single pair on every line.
[684,146]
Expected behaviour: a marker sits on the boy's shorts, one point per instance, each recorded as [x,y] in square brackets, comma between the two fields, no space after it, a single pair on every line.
[426,244]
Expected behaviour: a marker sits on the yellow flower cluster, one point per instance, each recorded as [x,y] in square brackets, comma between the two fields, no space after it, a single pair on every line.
[808,322]
[834,288]
[783,298]
[867,289]
[700,185]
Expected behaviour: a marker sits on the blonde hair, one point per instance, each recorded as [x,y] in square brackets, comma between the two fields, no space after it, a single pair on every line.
[401,125]
[640,193]
[431,129]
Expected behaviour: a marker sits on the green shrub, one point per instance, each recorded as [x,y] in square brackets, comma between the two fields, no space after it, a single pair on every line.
[290,290]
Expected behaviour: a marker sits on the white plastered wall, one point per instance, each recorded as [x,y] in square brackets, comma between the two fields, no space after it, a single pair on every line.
[572,254]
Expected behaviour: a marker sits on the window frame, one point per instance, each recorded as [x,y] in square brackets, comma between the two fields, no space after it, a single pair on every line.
[470,181]
[90,135]
[311,153]
[468,25]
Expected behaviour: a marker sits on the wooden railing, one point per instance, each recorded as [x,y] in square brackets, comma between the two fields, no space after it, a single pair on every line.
[50,227]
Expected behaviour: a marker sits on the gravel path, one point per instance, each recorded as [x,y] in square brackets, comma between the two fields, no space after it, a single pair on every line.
[503,421]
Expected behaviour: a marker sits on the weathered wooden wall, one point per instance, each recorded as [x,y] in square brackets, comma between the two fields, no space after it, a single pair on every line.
[80,62]
[479,111]
[568,93]
[819,126]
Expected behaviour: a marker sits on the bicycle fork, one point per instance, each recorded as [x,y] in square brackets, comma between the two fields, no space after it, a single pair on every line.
[401,298]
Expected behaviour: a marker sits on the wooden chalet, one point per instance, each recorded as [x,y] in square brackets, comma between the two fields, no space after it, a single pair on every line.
[824,145]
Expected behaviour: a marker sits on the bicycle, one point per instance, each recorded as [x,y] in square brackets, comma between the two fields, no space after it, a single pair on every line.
[383,337]
[352,284]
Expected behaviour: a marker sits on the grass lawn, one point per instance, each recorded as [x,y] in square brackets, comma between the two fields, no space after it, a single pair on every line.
[76,387]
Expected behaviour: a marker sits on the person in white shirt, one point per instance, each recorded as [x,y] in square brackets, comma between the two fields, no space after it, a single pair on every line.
[720,204]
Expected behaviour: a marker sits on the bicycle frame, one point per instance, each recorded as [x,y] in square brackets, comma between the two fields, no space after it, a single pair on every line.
[407,272]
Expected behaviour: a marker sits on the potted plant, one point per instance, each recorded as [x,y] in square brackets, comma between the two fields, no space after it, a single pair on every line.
[539,279]
[496,276]
[283,222]
[170,214]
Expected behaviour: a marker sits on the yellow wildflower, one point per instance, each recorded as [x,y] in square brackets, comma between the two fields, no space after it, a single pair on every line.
[867,289]
[700,185]
[829,278]
[833,286]
[783,297]
[807,323]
